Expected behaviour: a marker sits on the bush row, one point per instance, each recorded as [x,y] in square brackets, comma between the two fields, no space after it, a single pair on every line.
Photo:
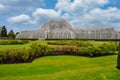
[38,50]
[101,50]
[15,55]
[69,50]
[59,43]
[72,42]
[13,42]
[23,55]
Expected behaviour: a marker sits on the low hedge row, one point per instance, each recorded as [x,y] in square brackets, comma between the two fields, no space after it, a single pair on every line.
[13,42]
[63,42]
[68,49]
[71,43]
[101,50]
[15,56]
[23,55]
[38,50]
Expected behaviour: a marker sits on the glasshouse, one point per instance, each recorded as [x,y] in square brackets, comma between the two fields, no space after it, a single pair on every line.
[61,29]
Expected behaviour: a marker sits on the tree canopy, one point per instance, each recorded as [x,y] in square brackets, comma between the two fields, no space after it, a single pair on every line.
[4,32]
[11,34]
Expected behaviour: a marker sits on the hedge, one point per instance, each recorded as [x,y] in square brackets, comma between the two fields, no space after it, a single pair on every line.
[13,42]
[108,48]
[39,50]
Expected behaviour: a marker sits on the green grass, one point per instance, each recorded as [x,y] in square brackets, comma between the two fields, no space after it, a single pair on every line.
[62,68]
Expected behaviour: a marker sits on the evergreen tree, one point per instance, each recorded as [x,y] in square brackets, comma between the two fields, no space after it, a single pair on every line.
[17,33]
[4,32]
[11,34]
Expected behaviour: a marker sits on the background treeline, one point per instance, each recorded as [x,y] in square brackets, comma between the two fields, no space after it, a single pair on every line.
[4,34]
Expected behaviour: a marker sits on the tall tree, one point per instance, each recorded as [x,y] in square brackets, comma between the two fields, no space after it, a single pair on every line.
[4,32]
[11,34]
[118,58]
[17,33]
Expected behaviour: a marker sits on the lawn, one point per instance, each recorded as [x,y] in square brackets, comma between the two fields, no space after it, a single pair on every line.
[63,68]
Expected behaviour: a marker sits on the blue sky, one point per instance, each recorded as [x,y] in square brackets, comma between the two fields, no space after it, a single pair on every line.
[22,15]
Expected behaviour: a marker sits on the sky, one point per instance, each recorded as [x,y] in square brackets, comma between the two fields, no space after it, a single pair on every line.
[21,15]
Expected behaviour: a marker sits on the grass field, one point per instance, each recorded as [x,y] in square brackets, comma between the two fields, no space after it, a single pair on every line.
[63,68]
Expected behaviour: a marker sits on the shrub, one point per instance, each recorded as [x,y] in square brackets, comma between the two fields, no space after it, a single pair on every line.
[63,42]
[13,42]
[58,43]
[109,47]
[101,50]
[84,44]
[14,55]
[69,49]
[25,41]
[90,51]
[39,49]
[23,54]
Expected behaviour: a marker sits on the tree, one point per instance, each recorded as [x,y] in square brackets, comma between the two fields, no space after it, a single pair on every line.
[4,32]
[118,58]
[11,34]
[17,33]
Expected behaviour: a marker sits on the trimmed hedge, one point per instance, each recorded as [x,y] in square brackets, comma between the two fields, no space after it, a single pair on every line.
[83,44]
[23,55]
[108,48]
[14,56]
[13,42]
[38,50]
[69,50]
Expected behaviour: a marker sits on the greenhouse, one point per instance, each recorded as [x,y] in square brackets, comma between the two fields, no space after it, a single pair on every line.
[61,29]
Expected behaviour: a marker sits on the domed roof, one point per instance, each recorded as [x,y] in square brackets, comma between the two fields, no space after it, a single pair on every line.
[56,24]
[58,29]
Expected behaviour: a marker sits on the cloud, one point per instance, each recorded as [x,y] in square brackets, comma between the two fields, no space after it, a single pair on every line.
[80,13]
[2,7]
[41,15]
[24,19]
[16,7]
[79,5]
[88,13]
[99,18]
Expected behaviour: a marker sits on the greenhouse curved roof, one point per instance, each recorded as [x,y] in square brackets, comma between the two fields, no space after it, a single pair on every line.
[61,29]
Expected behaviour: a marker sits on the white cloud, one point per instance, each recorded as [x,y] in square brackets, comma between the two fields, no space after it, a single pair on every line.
[2,7]
[79,5]
[66,16]
[20,19]
[99,18]
[63,5]
[88,13]
[80,13]
[46,12]
[41,15]
[16,7]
